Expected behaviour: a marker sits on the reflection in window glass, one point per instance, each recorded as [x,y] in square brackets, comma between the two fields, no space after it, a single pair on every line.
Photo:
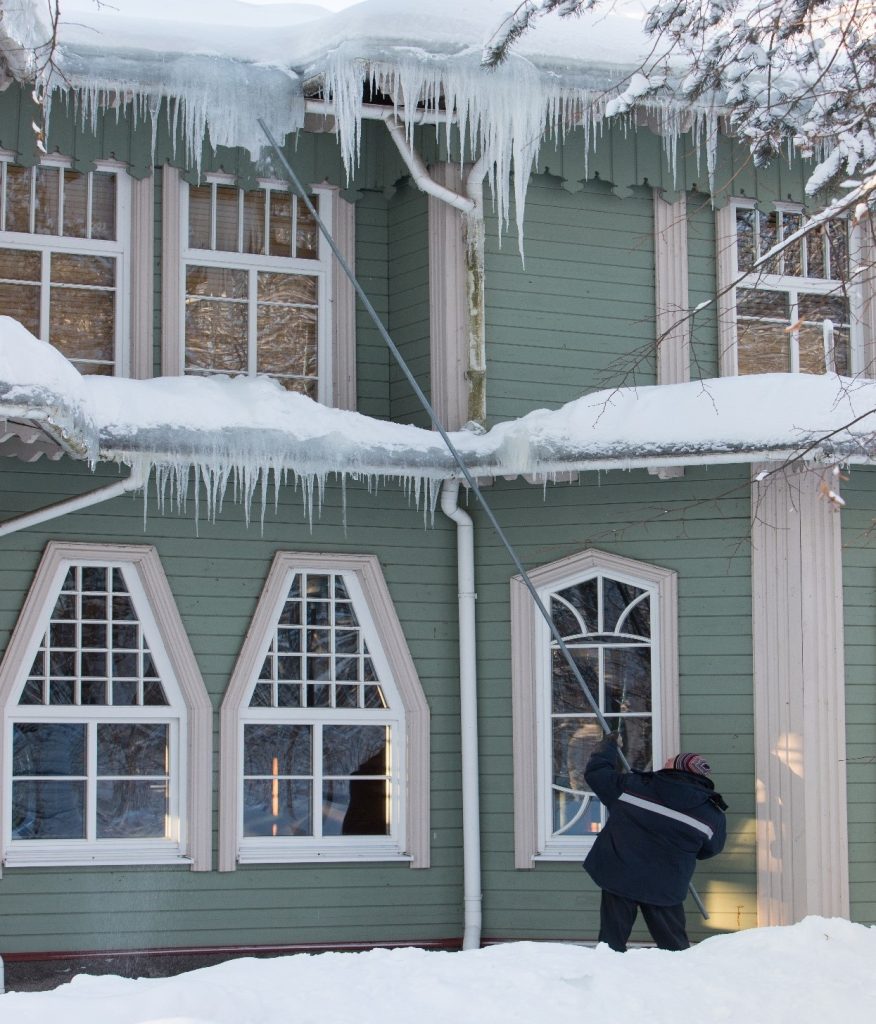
[606,625]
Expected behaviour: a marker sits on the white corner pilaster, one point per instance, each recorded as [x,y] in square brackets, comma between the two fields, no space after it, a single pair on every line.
[343,306]
[448,304]
[670,279]
[799,700]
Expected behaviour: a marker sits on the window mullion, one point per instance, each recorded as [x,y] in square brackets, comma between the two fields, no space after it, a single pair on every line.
[61,172]
[794,339]
[89,203]
[317,780]
[213,201]
[252,322]
[45,293]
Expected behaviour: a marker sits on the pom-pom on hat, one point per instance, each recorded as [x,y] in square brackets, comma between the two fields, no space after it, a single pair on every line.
[694,763]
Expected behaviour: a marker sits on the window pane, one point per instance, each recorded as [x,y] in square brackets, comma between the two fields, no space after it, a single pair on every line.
[281,224]
[307,237]
[628,679]
[573,743]
[755,302]
[636,741]
[838,235]
[227,218]
[103,205]
[216,336]
[574,814]
[254,222]
[75,204]
[47,184]
[810,342]
[20,265]
[763,348]
[287,342]
[48,810]
[617,597]
[356,807]
[566,692]
[792,256]
[23,303]
[288,288]
[48,748]
[126,748]
[216,281]
[199,217]
[824,307]
[128,809]
[82,323]
[277,807]
[769,235]
[93,270]
[745,238]
[277,750]
[583,597]
[18,182]
[355,750]
[839,354]
[816,251]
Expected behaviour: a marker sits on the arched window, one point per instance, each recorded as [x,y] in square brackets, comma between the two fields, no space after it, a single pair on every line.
[106,724]
[617,618]
[324,727]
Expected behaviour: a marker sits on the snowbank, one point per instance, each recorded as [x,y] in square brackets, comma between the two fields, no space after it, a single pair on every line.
[815,971]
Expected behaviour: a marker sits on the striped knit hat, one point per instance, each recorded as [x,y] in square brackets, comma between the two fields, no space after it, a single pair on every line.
[694,763]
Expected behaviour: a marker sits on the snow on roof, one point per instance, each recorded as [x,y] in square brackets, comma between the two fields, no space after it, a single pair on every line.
[225,64]
[246,429]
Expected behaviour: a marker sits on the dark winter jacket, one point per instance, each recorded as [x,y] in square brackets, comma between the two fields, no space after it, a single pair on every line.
[659,825]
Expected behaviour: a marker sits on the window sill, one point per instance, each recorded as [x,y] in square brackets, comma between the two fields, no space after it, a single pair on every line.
[273,854]
[67,857]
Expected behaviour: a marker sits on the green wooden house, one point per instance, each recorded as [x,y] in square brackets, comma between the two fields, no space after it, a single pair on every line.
[294,694]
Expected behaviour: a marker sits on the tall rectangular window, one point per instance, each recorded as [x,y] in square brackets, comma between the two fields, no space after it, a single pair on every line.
[255,285]
[64,254]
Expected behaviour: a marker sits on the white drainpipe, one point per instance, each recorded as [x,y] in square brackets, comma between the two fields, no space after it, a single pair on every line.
[468,714]
[62,508]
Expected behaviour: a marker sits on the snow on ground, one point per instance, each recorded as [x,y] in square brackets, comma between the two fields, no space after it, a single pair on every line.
[816,971]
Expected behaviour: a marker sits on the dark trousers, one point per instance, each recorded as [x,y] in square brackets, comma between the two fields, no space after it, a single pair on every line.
[617,915]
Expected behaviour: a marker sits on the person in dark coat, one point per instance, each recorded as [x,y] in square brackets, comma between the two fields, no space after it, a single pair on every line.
[659,825]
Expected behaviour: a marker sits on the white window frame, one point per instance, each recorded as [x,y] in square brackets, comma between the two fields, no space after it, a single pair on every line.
[336,302]
[408,717]
[729,279]
[531,691]
[189,713]
[132,348]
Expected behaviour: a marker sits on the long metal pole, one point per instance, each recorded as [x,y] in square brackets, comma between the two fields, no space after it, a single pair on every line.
[457,458]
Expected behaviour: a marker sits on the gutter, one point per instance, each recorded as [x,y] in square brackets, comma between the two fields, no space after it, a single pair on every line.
[134,482]
[468,715]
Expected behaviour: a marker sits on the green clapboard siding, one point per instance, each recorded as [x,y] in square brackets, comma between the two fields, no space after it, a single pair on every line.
[702,286]
[579,314]
[859,577]
[408,273]
[216,572]
[702,533]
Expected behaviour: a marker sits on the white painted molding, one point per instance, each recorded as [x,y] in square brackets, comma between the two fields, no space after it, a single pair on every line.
[174,641]
[799,699]
[864,297]
[171,274]
[725,272]
[142,275]
[525,623]
[343,305]
[671,286]
[367,570]
[448,303]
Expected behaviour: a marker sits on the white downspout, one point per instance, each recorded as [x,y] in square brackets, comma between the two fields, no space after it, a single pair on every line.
[134,482]
[468,714]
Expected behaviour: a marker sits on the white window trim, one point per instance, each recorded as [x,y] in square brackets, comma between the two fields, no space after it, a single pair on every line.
[729,279]
[132,248]
[195,717]
[529,655]
[337,299]
[412,842]
[672,304]
[448,303]
[799,698]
